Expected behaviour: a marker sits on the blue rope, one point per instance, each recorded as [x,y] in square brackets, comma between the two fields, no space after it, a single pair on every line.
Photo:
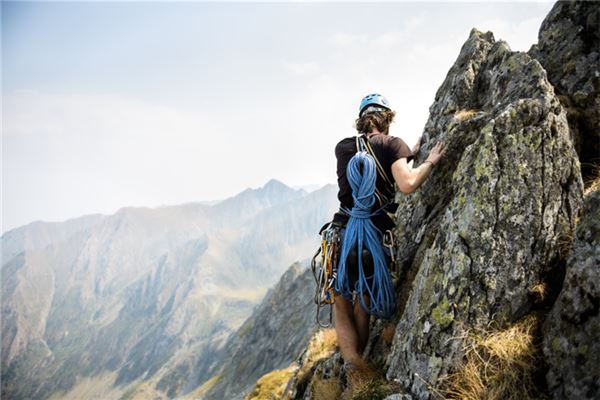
[362,233]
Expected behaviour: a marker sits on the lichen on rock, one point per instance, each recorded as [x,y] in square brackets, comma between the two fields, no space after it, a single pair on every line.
[572,328]
[484,244]
[569,50]
[494,209]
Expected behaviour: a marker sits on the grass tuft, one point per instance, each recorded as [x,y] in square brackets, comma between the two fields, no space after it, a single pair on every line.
[592,184]
[498,364]
[371,389]
[322,345]
[539,292]
[464,115]
[271,386]
[566,234]
[327,389]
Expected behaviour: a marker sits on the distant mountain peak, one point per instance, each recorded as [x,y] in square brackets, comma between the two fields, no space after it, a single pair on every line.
[274,183]
[278,188]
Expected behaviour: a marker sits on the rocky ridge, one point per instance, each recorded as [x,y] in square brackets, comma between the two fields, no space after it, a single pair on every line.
[278,329]
[486,242]
[568,50]
[493,212]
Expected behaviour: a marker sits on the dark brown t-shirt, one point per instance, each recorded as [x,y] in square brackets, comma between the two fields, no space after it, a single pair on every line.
[387,149]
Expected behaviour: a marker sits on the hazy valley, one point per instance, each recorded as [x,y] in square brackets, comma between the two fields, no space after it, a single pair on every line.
[93,305]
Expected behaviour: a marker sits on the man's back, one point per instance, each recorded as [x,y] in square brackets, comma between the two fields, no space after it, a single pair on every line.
[387,150]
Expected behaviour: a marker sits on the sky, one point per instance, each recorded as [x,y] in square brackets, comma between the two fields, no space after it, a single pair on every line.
[114,104]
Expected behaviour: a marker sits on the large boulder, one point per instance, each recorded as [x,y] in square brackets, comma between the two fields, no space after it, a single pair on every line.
[569,50]
[572,329]
[485,228]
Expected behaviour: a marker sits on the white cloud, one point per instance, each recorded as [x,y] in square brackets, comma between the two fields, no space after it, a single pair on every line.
[345,39]
[68,155]
[302,68]
[35,114]
[391,39]
[388,39]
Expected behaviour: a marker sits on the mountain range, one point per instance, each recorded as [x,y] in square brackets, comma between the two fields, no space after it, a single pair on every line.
[142,301]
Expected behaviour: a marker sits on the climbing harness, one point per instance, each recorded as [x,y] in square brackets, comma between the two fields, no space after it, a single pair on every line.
[362,233]
[324,269]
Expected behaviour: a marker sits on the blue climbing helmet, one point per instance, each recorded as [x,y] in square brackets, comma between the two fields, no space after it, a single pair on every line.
[376,100]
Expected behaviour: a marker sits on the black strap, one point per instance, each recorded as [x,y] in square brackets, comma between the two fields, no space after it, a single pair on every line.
[382,172]
[383,200]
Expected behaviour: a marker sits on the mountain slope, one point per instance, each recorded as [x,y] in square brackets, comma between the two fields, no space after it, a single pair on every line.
[278,329]
[131,297]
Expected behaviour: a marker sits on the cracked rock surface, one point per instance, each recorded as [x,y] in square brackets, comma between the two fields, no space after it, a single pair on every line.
[569,50]
[572,329]
[485,227]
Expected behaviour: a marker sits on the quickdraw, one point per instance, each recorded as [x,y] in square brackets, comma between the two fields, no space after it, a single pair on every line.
[324,270]
[388,241]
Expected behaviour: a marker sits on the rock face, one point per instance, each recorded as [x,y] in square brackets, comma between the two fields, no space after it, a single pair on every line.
[569,50]
[486,240]
[572,329]
[485,227]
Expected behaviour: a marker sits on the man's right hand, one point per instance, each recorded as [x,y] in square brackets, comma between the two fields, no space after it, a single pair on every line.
[436,153]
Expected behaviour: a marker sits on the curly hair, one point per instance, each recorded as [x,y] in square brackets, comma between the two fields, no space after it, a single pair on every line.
[380,120]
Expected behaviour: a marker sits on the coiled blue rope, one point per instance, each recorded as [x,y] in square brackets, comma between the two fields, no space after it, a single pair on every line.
[362,233]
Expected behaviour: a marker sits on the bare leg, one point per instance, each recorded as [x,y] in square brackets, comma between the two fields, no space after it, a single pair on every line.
[362,320]
[345,328]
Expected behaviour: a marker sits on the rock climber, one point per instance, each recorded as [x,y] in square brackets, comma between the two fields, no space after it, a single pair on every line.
[352,316]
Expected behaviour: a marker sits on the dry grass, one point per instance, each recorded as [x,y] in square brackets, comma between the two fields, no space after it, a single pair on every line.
[565,237]
[371,389]
[327,389]
[593,182]
[498,364]
[539,292]
[271,386]
[367,383]
[464,115]
[201,391]
[322,345]
[563,244]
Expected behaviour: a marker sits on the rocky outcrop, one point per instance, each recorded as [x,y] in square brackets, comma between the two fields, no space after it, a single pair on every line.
[485,228]
[572,329]
[277,331]
[485,243]
[569,50]
[482,243]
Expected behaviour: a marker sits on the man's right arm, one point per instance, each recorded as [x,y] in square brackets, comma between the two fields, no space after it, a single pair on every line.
[409,179]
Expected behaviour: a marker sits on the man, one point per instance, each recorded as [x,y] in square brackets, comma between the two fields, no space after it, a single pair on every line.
[392,154]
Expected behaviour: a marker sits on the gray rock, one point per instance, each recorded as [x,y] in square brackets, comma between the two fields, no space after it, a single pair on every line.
[271,338]
[491,224]
[484,229]
[399,396]
[569,50]
[572,328]
[325,369]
